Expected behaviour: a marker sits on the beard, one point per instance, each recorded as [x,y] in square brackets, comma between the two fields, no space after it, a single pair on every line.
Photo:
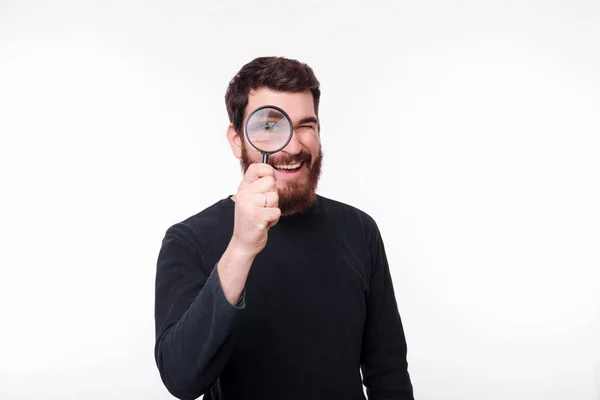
[295,197]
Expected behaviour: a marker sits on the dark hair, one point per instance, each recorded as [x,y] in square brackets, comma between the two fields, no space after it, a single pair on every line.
[275,73]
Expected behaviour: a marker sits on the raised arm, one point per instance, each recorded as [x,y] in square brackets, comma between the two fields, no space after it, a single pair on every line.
[194,319]
[196,303]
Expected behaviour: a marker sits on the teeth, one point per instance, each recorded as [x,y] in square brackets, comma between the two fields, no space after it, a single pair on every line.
[293,166]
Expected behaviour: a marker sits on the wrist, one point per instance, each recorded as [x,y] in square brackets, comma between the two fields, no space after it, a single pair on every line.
[236,261]
[233,269]
[239,252]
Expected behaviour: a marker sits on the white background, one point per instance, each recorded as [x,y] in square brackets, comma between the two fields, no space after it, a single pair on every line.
[468,129]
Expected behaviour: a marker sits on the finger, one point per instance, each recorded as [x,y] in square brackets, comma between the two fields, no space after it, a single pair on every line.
[272,199]
[274,218]
[258,170]
[264,184]
[272,224]
[265,199]
[260,200]
[271,216]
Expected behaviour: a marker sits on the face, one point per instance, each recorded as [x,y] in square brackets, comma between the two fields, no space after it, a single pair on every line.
[298,165]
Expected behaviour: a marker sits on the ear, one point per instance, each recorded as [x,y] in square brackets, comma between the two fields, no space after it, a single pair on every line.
[235,142]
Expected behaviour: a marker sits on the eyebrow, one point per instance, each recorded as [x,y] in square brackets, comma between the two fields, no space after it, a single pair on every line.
[274,114]
[308,120]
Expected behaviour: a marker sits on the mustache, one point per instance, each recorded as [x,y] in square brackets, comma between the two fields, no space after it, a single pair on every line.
[287,159]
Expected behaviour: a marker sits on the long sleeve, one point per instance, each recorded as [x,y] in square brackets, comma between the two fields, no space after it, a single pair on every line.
[383,361]
[194,321]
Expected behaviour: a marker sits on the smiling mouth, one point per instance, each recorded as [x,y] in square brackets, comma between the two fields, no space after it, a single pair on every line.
[289,167]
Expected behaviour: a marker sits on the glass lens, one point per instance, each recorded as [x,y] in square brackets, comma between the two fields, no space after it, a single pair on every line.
[268,129]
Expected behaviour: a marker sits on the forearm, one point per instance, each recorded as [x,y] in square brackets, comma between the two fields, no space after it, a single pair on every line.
[233,268]
[385,367]
[192,352]
[386,376]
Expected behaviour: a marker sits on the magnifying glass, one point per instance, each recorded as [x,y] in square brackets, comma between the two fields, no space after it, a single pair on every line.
[268,129]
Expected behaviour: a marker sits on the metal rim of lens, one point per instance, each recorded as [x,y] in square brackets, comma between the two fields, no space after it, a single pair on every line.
[284,114]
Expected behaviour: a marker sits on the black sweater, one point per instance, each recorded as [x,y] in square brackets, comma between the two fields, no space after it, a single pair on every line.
[317,307]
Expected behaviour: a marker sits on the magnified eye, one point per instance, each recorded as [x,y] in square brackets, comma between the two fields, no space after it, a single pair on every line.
[271,126]
[268,129]
[265,126]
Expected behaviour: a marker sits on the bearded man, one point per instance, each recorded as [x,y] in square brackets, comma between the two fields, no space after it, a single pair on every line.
[276,292]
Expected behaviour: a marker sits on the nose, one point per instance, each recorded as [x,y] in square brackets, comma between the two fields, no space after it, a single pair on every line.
[293,147]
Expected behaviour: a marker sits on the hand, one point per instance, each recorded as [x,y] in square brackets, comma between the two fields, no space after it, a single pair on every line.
[254,218]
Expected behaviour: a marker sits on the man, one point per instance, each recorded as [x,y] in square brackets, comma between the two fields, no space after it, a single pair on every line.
[276,292]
